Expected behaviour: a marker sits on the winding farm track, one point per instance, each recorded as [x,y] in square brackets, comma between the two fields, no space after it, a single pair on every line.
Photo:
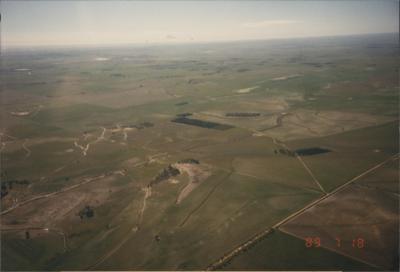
[113,250]
[147,194]
[205,199]
[37,110]
[85,149]
[28,151]
[240,248]
[9,136]
[279,121]
[72,187]
[3,143]
[302,126]
[149,159]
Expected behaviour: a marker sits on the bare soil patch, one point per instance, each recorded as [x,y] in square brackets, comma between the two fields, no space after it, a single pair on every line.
[196,173]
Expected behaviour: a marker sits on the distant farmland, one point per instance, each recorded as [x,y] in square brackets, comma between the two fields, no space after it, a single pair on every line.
[227,156]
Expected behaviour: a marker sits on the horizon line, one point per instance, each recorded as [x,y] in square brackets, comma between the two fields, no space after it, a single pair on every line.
[171,43]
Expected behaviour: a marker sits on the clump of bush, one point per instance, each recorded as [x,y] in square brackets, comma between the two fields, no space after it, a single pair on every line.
[86,212]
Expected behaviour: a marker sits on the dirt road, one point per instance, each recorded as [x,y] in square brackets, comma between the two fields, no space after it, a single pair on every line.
[28,151]
[85,149]
[239,249]
[147,194]
[72,187]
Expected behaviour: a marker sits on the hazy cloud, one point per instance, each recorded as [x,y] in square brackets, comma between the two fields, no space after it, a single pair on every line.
[30,23]
[269,23]
[170,37]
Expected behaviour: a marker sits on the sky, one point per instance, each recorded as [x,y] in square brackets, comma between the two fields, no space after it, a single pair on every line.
[78,22]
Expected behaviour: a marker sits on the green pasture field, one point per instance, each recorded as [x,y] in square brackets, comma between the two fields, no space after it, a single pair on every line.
[105,127]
